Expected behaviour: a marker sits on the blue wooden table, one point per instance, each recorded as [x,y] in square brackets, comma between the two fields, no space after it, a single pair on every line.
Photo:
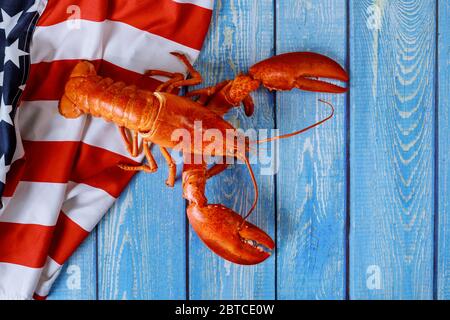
[359,207]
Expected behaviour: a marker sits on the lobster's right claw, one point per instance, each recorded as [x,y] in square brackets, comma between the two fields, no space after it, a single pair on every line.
[300,70]
[224,232]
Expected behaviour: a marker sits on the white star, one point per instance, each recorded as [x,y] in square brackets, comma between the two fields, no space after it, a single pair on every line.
[1,79]
[13,53]
[8,22]
[34,7]
[5,111]
[3,169]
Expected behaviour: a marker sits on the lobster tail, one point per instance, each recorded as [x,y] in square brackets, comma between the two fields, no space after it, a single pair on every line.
[69,109]
[83,69]
[66,106]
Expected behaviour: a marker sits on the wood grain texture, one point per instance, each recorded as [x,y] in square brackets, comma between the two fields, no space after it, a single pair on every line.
[78,277]
[241,34]
[443,275]
[311,180]
[392,50]
[141,241]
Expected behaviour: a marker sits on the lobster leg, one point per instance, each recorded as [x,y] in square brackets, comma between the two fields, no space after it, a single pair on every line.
[205,93]
[300,70]
[249,105]
[222,104]
[176,79]
[232,94]
[149,168]
[133,145]
[196,77]
[172,167]
[216,169]
[223,230]
[173,77]
[166,86]
[162,73]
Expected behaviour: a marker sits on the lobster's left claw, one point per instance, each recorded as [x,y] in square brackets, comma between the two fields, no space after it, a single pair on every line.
[299,70]
[222,230]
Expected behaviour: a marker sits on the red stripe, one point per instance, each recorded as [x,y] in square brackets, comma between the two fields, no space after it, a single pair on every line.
[48,161]
[38,297]
[24,244]
[13,177]
[43,162]
[184,23]
[30,244]
[98,168]
[67,237]
[59,162]
[48,79]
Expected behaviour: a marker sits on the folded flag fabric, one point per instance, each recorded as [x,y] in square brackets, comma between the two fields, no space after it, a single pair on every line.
[61,174]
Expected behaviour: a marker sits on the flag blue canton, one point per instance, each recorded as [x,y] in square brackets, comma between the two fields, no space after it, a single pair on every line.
[18,19]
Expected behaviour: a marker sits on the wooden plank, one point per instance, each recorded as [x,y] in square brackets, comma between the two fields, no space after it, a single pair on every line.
[78,277]
[392,50]
[311,180]
[240,35]
[443,275]
[141,253]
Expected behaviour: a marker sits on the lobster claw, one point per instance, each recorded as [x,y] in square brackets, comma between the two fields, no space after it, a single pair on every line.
[225,232]
[299,70]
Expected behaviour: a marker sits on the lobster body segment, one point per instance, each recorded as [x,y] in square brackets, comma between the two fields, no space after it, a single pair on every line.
[180,123]
[127,106]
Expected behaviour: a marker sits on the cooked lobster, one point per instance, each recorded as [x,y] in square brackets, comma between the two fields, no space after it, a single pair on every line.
[153,117]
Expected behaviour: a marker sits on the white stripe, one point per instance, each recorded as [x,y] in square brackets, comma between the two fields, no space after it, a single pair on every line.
[49,274]
[41,6]
[115,42]
[105,135]
[17,282]
[34,203]
[208,4]
[41,121]
[40,203]
[86,205]
[19,152]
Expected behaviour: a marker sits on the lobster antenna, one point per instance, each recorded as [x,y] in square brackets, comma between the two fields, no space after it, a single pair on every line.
[255,186]
[288,135]
[284,136]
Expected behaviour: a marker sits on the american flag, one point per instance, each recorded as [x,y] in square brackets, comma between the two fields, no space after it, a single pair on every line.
[61,174]
[18,21]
